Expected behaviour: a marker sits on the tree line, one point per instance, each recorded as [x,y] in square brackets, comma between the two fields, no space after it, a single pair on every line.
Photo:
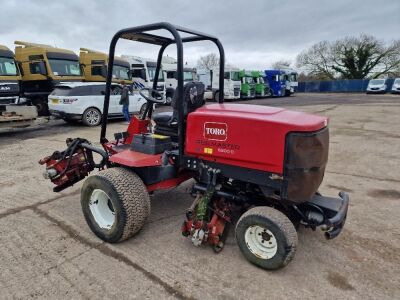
[359,57]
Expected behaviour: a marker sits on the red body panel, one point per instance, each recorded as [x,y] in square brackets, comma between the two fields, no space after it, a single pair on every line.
[169,183]
[136,126]
[244,135]
[131,158]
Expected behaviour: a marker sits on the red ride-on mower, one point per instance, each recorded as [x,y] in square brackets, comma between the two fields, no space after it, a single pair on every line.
[265,162]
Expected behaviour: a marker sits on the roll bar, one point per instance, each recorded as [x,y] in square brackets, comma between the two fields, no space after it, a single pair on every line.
[140,34]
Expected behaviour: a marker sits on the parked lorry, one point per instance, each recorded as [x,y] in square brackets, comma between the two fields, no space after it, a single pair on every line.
[247,87]
[290,77]
[276,81]
[210,78]
[42,67]
[261,86]
[94,66]
[13,110]
[143,72]
[171,81]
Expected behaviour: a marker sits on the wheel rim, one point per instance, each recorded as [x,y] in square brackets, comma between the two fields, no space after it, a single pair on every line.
[92,117]
[261,242]
[102,209]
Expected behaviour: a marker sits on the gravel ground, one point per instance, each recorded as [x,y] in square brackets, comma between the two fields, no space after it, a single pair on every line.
[48,250]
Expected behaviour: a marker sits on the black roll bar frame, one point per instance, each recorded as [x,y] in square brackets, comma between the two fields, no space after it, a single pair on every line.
[140,34]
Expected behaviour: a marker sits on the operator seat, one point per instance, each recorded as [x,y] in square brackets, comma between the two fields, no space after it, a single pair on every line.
[167,122]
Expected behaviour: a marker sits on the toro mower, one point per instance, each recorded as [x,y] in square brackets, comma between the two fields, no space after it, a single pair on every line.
[266,163]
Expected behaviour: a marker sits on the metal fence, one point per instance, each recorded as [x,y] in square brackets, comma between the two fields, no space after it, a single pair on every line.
[338,86]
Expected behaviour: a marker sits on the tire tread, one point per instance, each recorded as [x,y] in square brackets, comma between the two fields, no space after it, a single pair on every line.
[133,196]
[284,224]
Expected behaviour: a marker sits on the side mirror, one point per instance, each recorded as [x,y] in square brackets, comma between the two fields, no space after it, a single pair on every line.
[42,68]
[143,74]
[129,73]
[21,70]
[103,71]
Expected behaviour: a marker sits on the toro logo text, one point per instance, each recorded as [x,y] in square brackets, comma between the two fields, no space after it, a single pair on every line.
[215,131]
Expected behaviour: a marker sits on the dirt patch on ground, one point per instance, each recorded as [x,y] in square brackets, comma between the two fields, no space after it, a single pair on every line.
[387,194]
[339,281]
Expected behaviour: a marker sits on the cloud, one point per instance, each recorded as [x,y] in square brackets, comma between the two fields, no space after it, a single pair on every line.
[254,33]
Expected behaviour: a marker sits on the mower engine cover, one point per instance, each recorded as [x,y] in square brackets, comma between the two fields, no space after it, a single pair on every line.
[290,144]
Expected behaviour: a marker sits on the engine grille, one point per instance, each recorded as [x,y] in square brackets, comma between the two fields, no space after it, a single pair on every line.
[306,156]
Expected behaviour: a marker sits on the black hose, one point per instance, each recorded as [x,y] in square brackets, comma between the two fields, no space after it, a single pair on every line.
[83,143]
[99,151]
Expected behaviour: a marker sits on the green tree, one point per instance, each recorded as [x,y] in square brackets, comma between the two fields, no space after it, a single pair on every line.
[351,58]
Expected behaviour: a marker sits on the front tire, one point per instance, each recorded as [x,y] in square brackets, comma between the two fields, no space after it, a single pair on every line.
[91,117]
[266,237]
[115,203]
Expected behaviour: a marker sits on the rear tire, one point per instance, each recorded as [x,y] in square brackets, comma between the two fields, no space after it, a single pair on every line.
[266,237]
[91,117]
[115,203]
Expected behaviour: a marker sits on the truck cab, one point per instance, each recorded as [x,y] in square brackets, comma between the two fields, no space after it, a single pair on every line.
[210,79]
[276,81]
[9,77]
[290,77]
[42,67]
[143,72]
[247,87]
[171,81]
[12,113]
[261,87]
[94,66]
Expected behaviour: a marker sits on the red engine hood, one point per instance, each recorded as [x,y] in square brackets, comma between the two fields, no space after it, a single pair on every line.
[244,135]
[296,121]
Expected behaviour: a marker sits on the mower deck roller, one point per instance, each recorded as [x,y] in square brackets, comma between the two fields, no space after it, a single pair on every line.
[265,163]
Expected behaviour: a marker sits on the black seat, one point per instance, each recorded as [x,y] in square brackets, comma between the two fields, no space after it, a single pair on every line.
[167,122]
[163,118]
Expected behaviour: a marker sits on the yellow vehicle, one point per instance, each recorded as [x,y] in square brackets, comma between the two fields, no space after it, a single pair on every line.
[94,66]
[9,77]
[42,67]
[12,113]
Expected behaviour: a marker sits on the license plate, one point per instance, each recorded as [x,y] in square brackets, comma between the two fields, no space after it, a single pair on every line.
[54,101]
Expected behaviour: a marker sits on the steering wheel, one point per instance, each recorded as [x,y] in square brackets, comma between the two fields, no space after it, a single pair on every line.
[159,99]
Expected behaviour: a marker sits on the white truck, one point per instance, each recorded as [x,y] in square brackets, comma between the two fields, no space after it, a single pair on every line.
[169,65]
[143,71]
[290,77]
[231,83]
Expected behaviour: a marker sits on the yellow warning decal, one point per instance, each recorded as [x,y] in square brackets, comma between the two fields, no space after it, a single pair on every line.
[208,150]
[159,136]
